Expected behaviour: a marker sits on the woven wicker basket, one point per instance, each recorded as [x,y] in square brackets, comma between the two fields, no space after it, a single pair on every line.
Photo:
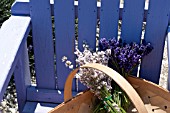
[146,97]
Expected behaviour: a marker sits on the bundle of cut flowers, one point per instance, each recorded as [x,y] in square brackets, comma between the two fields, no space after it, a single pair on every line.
[123,58]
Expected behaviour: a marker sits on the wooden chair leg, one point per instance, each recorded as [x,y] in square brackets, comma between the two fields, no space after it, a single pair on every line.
[22,77]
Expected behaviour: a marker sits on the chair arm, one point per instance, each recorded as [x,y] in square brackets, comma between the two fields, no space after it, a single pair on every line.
[168,45]
[13,35]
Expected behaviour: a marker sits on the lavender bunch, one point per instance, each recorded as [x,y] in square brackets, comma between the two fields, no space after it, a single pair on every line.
[125,57]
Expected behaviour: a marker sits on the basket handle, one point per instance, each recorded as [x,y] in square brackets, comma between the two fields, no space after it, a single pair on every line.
[121,81]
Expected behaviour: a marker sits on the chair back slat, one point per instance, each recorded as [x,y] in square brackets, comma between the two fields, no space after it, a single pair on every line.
[64,13]
[132,20]
[43,43]
[109,18]
[87,19]
[156,28]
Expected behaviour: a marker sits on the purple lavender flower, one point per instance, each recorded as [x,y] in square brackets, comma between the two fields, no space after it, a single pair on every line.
[104,44]
[125,57]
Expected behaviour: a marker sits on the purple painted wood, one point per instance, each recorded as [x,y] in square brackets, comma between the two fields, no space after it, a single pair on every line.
[156,28]
[109,17]
[22,77]
[64,38]
[87,20]
[30,107]
[46,95]
[20,8]
[24,5]
[37,107]
[43,43]
[132,19]
[10,48]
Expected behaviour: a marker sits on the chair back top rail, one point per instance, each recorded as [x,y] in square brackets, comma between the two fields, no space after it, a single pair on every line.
[25,6]
[65,38]
[43,43]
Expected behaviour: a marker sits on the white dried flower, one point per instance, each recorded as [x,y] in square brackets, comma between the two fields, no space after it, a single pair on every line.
[87,58]
[71,67]
[108,52]
[84,45]
[104,83]
[108,87]
[95,54]
[99,87]
[77,76]
[101,54]
[64,58]
[68,63]
[95,75]
[78,53]
[85,52]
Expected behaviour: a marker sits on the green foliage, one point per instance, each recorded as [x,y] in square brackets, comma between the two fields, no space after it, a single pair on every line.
[5,6]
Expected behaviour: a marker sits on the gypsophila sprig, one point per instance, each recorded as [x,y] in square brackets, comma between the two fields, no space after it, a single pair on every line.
[92,78]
